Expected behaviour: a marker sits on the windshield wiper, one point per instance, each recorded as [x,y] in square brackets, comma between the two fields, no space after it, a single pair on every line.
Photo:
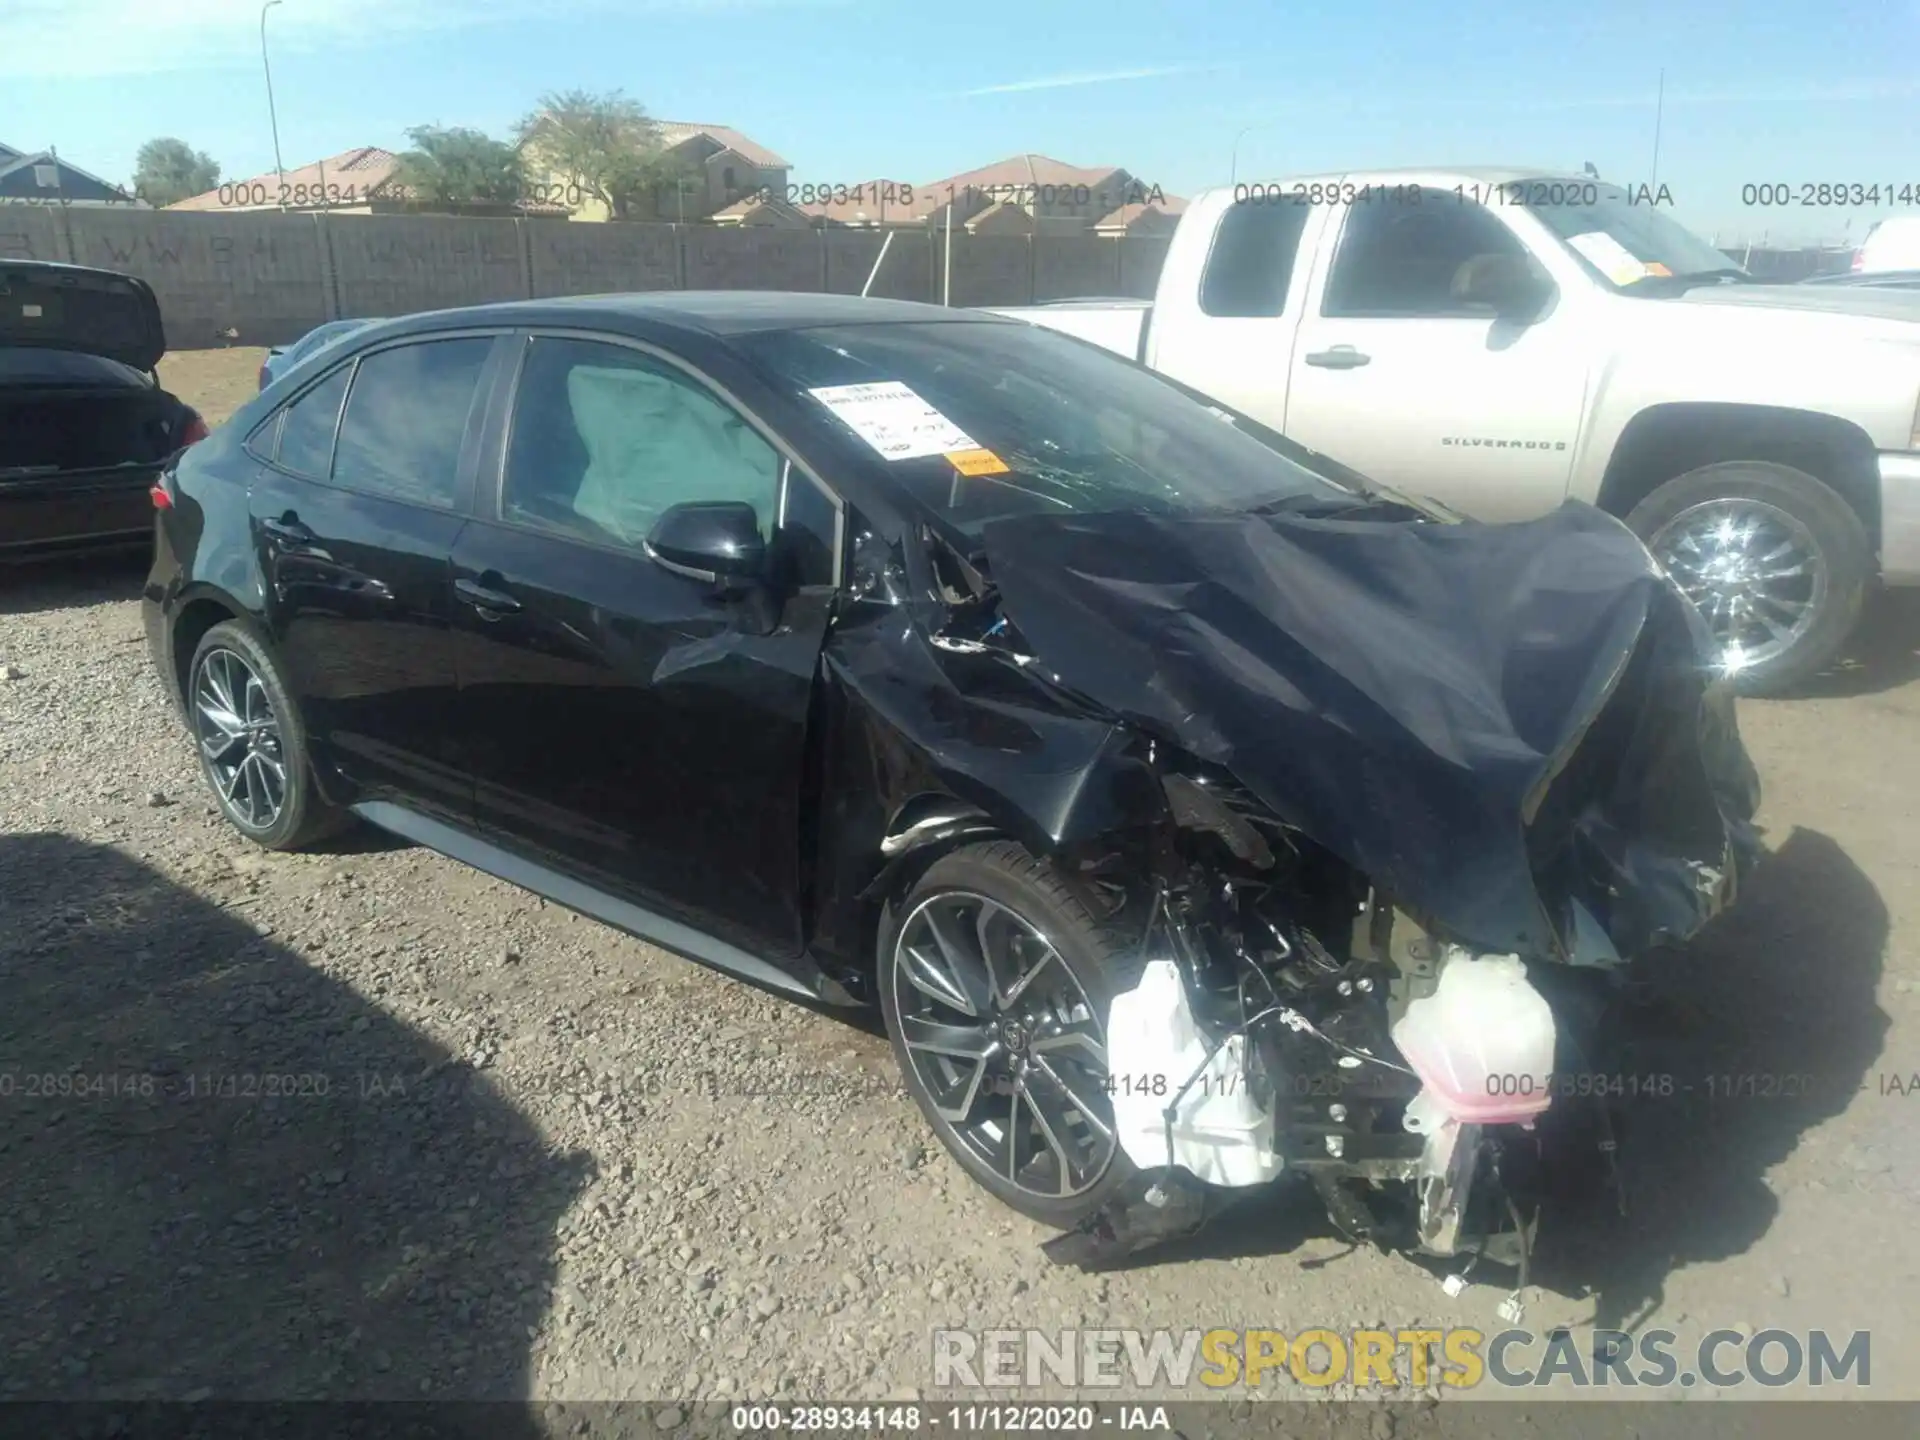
[1730,274]
[1307,503]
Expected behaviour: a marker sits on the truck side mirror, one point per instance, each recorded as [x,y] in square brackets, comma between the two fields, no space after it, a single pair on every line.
[1506,284]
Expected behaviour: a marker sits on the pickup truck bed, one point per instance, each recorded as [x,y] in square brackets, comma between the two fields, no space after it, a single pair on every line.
[1116,325]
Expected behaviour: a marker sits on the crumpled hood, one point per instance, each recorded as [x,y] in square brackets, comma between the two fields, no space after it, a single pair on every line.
[1510,727]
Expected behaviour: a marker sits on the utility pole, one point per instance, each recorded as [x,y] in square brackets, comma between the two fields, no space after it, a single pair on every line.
[273,117]
[1659,105]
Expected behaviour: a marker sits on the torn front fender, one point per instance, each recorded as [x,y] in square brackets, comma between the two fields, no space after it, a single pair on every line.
[1513,728]
[972,724]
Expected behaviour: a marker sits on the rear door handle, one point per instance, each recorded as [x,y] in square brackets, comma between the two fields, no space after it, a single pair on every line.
[289,529]
[489,602]
[1340,357]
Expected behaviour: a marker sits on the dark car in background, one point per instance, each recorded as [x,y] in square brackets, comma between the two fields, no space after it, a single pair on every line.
[84,423]
[282,358]
[880,653]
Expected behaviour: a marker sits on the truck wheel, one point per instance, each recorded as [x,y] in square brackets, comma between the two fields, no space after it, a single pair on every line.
[1776,562]
[995,984]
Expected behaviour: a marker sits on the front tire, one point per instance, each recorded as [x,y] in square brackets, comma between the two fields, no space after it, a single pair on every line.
[252,744]
[1775,561]
[995,982]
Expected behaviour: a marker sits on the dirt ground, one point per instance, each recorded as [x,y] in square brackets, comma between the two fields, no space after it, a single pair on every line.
[367,1123]
[214,382]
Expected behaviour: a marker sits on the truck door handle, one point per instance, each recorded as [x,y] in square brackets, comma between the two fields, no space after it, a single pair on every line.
[1340,357]
[288,530]
[491,603]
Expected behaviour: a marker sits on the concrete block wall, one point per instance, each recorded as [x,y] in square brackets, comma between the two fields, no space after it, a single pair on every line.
[271,277]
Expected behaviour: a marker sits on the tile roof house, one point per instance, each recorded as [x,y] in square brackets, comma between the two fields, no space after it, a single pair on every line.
[352,181]
[1143,218]
[763,209]
[871,203]
[723,168]
[1024,194]
[42,178]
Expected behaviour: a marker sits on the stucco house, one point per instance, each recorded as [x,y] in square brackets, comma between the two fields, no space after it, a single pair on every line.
[41,177]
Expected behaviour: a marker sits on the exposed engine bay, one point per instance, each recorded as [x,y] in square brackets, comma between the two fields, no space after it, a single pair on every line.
[1261,1041]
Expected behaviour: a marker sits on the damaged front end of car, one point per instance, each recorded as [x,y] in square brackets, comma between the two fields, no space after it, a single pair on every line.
[1387,806]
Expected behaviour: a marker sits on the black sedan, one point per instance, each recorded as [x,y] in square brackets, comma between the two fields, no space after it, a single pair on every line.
[84,423]
[878,653]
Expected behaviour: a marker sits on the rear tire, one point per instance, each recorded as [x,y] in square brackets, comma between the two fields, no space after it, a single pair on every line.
[252,744]
[1006,1056]
[1730,532]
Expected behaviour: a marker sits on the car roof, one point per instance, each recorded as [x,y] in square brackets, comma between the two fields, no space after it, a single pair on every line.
[718,313]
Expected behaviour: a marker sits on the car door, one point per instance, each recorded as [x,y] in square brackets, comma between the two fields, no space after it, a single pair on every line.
[1252,293]
[1398,378]
[625,724]
[368,480]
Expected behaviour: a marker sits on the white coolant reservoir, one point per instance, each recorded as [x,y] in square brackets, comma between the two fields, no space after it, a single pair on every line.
[1482,1043]
[1219,1132]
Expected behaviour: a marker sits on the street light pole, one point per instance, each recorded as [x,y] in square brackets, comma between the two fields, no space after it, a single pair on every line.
[272,117]
[1233,165]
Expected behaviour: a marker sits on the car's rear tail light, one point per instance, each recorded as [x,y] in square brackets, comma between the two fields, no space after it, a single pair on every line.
[161,496]
[1859,261]
[196,430]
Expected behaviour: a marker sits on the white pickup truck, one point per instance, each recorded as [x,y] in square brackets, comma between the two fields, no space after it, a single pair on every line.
[1500,340]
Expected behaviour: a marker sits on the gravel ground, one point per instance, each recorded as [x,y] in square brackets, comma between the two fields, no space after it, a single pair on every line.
[367,1123]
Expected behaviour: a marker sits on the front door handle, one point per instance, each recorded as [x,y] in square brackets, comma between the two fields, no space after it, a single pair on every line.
[288,530]
[491,603]
[1340,357]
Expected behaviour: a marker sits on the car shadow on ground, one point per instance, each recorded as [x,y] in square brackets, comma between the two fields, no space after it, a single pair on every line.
[225,1175]
[65,584]
[1768,1023]
[1883,653]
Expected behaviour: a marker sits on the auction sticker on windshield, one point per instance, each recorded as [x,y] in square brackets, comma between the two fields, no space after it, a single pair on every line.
[977,462]
[893,420]
[1610,257]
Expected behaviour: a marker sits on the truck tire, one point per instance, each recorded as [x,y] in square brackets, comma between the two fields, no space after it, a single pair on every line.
[1003,1070]
[1777,563]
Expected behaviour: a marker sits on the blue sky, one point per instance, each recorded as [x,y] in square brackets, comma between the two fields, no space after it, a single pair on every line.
[1769,90]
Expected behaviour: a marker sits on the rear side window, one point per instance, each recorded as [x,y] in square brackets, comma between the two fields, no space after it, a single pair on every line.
[407,419]
[306,435]
[1251,264]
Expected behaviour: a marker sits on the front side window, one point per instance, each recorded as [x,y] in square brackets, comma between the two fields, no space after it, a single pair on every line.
[407,419]
[606,439]
[1408,258]
[1064,426]
[306,435]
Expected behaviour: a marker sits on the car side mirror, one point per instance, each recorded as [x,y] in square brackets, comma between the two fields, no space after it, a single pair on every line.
[1506,284]
[715,541]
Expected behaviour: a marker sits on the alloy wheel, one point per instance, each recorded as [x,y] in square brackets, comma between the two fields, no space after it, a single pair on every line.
[1752,570]
[1006,1043]
[239,739]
